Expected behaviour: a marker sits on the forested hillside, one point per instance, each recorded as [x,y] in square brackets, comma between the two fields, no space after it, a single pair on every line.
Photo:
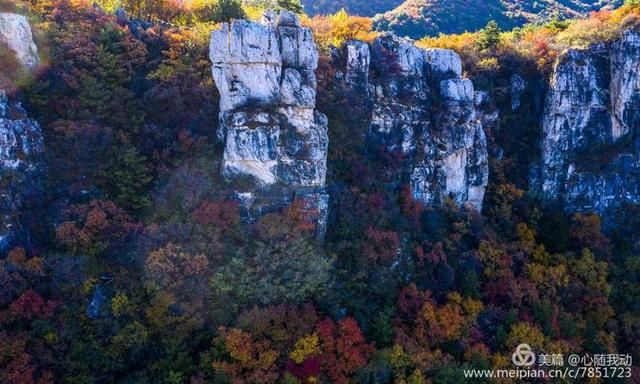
[354,7]
[417,18]
[295,199]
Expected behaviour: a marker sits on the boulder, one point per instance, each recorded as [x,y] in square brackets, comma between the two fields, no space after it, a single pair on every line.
[443,62]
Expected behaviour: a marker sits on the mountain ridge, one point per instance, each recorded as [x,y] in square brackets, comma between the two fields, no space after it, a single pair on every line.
[418,18]
[355,7]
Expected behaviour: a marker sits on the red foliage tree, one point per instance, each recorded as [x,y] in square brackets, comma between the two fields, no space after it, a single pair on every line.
[411,207]
[95,227]
[309,368]
[30,305]
[381,245]
[223,215]
[344,349]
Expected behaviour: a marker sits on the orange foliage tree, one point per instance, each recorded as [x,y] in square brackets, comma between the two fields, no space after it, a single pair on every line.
[90,229]
[250,361]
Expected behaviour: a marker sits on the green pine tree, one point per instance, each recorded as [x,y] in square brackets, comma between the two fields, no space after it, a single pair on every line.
[226,10]
[128,180]
[291,5]
[489,36]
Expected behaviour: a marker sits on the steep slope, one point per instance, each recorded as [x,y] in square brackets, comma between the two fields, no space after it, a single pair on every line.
[417,18]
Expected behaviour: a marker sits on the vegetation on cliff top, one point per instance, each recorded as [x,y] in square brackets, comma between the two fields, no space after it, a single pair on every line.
[538,44]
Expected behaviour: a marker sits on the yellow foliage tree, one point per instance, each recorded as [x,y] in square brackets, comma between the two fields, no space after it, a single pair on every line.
[305,347]
[525,333]
[251,361]
[335,30]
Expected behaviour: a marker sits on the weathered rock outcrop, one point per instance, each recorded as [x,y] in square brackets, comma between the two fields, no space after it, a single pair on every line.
[21,142]
[518,86]
[21,150]
[15,33]
[591,144]
[422,109]
[265,73]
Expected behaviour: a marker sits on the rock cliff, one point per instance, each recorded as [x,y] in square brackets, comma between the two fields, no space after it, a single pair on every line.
[422,109]
[591,144]
[21,142]
[419,107]
[265,73]
[21,150]
[15,33]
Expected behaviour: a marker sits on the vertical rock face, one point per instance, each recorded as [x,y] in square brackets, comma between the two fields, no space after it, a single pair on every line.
[358,62]
[21,150]
[422,109]
[590,144]
[625,84]
[15,33]
[265,73]
[518,86]
[21,141]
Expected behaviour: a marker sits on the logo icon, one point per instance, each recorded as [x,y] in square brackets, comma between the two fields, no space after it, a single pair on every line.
[523,356]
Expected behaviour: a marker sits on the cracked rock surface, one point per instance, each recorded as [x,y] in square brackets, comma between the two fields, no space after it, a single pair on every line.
[422,109]
[265,73]
[591,145]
